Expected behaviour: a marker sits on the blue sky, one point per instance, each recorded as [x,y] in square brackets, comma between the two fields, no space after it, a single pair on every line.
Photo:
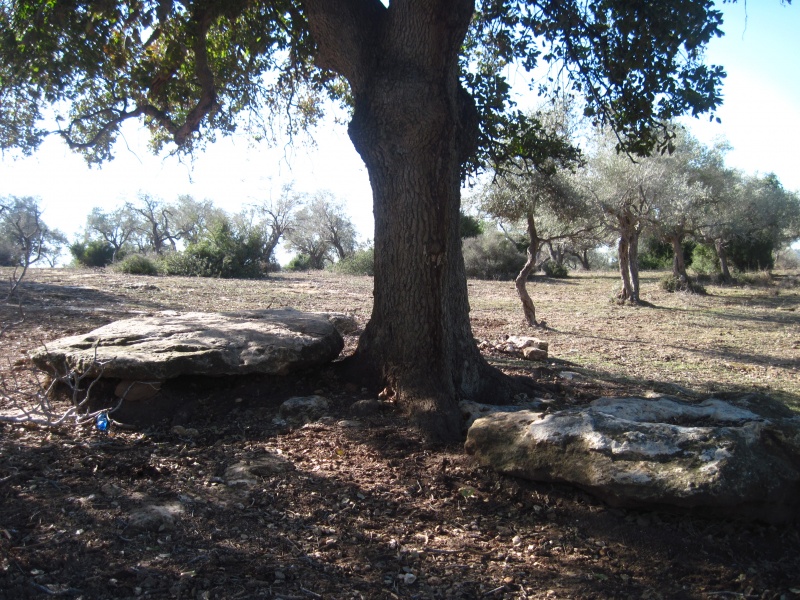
[760,118]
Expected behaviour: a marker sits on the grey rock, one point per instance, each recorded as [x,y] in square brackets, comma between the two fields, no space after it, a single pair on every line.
[185,432]
[473,411]
[303,409]
[729,458]
[534,354]
[170,344]
[345,324]
[569,375]
[520,342]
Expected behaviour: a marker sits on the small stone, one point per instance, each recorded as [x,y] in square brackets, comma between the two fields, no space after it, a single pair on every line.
[534,354]
[154,518]
[249,472]
[366,408]
[344,324]
[186,432]
[303,409]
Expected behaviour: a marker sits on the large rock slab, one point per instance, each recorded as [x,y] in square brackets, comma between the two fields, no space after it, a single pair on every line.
[171,344]
[737,458]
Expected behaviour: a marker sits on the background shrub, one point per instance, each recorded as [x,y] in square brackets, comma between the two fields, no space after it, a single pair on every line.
[492,256]
[469,226]
[221,252]
[181,264]
[96,253]
[362,262]
[555,270]
[301,262]
[752,254]
[672,284]
[655,254]
[704,260]
[136,264]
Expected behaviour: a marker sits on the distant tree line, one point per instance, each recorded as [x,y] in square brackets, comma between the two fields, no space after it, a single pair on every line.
[196,238]
[674,209]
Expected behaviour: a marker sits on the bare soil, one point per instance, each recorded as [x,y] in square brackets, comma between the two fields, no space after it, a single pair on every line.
[370,511]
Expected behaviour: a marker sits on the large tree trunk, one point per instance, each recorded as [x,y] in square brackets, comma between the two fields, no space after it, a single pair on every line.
[722,254]
[528,308]
[633,264]
[583,258]
[678,262]
[413,126]
[628,255]
[623,258]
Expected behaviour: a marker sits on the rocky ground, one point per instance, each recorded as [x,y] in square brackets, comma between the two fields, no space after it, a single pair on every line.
[226,501]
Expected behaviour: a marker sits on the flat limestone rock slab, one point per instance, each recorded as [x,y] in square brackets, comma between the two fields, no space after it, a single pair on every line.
[170,344]
[723,458]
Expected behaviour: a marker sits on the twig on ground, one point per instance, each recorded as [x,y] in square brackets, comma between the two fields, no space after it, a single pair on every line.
[35,407]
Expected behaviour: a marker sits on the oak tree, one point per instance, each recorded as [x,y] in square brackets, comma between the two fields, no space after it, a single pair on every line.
[425,81]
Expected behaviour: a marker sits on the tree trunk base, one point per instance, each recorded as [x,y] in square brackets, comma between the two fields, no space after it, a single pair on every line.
[437,416]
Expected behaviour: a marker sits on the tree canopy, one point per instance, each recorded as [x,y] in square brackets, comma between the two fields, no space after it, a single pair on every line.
[426,84]
[190,70]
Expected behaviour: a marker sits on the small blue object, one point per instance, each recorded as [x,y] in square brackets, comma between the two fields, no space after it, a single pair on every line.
[102,422]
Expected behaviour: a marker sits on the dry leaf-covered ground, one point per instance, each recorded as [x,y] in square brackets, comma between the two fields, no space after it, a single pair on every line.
[368,511]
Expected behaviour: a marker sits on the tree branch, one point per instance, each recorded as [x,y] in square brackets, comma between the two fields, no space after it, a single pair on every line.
[346,33]
[208,95]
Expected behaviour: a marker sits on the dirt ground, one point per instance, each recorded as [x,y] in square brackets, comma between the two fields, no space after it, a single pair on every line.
[365,509]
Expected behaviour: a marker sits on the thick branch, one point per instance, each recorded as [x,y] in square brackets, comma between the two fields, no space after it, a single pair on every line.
[346,33]
[208,90]
[528,308]
[120,116]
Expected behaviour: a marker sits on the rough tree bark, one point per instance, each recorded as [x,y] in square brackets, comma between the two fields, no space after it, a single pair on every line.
[623,258]
[528,308]
[413,126]
[633,263]
[628,255]
[583,259]
[722,254]
[678,261]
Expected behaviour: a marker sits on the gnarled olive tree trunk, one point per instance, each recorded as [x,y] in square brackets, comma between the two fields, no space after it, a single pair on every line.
[678,261]
[722,254]
[628,256]
[413,126]
[528,308]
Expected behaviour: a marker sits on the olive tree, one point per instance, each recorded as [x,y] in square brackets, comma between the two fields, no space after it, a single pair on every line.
[115,227]
[428,102]
[192,219]
[549,209]
[25,239]
[322,231]
[678,199]
[279,216]
[622,193]
[156,223]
